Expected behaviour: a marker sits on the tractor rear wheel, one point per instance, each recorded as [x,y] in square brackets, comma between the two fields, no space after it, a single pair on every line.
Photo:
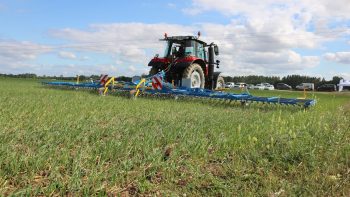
[220,83]
[196,74]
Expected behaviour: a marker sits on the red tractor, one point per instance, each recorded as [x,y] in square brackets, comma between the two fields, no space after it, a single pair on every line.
[188,62]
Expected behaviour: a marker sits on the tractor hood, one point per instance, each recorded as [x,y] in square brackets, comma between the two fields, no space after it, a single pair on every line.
[161,62]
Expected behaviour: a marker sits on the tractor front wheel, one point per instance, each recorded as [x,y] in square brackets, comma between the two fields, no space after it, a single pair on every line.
[196,74]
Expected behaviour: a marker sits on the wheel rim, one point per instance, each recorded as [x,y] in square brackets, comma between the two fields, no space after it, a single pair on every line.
[195,79]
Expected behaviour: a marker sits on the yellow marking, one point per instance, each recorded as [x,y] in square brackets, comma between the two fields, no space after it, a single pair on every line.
[111,80]
[143,81]
[137,93]
[304,97]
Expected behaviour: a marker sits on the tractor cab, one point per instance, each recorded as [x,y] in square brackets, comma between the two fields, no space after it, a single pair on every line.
[188,62]
[184,46]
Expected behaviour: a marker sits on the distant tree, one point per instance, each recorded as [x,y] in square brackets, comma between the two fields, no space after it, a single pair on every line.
[294,80]
[144,75]
[253,79]
[123,78]
[335,80]
[95,77]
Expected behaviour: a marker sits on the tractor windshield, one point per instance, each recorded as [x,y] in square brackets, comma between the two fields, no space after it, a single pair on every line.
[189,48]
[180,48]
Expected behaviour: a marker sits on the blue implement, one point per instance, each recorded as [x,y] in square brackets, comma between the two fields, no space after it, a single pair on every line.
[168,89]
[73,84]
[243,97]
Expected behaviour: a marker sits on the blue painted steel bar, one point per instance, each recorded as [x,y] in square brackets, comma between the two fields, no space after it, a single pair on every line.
[198,92]
[244,97]
[73,84]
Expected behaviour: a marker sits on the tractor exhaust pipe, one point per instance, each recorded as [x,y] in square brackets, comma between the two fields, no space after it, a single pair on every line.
[211,64]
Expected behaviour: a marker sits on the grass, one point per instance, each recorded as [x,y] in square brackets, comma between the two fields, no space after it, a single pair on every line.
[65,142]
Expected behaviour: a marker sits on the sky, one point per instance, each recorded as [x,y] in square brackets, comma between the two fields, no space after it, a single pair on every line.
[255,37]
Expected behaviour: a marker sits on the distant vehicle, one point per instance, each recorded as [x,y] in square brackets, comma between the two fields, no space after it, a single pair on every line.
[283,86]
[229,85]
[327,87]
[259,86]
[240,85]
[269,87]
[250,86]
[305,86]
[344,85]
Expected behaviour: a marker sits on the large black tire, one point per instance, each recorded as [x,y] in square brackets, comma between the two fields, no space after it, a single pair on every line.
[196,74]
[153,71]
[220,83]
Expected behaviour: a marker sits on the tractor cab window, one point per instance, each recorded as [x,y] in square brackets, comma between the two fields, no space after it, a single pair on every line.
[189,51]
[174,49]
[200,51]
[194,48]
[178,50]
[185,48]
[167,47]
[189,48]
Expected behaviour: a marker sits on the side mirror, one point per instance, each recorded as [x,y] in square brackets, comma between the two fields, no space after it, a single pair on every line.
[216,50]
[157,55]
[217,63]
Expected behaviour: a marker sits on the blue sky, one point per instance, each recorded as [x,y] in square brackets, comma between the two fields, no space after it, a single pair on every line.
[120,37]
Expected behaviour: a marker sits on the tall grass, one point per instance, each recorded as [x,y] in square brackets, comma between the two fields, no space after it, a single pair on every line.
[64,142]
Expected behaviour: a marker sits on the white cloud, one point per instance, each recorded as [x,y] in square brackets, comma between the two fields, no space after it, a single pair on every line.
[84,58]
[76,69]
[128,43]
[245,48]
[17,57]
[304,9]
[261,38]
[344,75]
[67,55]
[339,57]
[132,68]
[291,18]
[171,5]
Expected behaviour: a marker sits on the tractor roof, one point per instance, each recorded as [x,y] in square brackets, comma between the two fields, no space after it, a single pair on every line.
[182,38]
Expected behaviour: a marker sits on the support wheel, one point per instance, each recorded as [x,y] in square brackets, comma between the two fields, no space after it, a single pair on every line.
[196,74]
[220,83]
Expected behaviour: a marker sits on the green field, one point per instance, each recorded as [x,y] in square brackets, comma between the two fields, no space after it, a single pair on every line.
[65,142]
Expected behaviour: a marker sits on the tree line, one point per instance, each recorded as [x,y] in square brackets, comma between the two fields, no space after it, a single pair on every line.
[61,77]
[292,80]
